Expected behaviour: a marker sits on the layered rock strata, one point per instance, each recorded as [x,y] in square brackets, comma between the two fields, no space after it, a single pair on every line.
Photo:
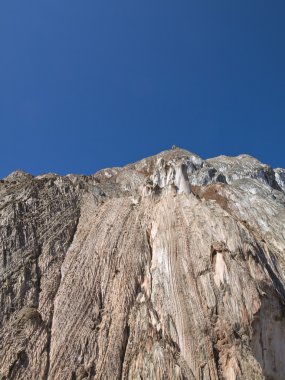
[169,268]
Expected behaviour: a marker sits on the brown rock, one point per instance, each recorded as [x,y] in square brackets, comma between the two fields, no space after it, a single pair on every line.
[169,268]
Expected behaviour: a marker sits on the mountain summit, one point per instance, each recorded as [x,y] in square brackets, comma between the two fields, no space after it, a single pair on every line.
[172,267]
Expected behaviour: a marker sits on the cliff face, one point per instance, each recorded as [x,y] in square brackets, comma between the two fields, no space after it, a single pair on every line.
[169,268]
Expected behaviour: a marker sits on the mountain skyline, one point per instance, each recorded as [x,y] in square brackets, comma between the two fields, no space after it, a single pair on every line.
[84,86]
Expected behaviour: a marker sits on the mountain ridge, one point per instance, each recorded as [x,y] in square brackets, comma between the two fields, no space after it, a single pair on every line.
[171,267]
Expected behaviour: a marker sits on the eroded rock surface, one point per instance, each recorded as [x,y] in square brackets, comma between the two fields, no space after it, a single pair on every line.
[169,268]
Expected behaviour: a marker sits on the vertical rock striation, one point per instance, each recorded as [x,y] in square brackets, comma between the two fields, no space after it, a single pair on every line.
[169,268]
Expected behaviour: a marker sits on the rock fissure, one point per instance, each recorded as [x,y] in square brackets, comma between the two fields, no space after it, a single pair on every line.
[50,320]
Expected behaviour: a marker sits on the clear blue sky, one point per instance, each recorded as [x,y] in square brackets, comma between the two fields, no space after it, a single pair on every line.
[97,83]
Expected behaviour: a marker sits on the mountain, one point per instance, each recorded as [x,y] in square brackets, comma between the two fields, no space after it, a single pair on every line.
[169,268]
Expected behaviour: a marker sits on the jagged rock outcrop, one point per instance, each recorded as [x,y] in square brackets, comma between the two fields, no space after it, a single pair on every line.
[169,268]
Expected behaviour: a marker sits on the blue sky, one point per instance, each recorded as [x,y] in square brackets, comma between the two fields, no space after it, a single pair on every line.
[98,83]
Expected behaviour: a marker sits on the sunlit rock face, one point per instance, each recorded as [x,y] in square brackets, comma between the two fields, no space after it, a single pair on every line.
[169,268]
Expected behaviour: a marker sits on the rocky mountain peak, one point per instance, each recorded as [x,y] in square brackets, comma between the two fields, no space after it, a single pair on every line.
[172,267]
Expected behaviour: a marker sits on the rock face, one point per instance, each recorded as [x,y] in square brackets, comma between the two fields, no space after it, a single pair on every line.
[169,268]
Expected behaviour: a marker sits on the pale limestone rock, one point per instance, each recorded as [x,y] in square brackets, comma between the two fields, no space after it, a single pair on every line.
[168,268]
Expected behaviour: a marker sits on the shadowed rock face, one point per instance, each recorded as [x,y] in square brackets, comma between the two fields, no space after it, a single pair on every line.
[169,268]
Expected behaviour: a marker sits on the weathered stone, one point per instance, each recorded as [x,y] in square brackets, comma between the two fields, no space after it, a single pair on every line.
[168,268]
